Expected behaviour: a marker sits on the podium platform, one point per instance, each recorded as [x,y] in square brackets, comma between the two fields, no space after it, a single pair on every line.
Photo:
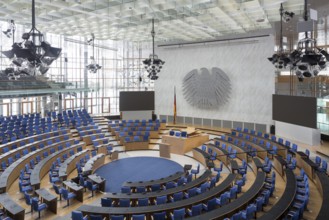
[181,145]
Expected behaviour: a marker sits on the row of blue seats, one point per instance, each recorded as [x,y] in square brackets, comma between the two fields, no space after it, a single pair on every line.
[231,152]
[17,156]
[26,188]
[13,137]
[178,133]
[15,117]
[134,133]
[136,121]
[257,205]
[300,202]
[273,138]
[128,129]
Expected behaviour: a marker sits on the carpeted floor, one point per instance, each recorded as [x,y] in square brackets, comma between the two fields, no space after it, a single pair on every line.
[136,169]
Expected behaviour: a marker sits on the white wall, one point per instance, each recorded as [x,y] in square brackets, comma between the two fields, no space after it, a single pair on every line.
[298,133]
[251,74]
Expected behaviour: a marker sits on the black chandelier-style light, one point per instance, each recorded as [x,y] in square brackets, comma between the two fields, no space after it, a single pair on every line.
[153,64]
[93,66]
[281,58]
[308,59]
[33,56]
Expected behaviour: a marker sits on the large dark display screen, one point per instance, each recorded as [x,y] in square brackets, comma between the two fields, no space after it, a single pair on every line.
[296,110]
[136,101]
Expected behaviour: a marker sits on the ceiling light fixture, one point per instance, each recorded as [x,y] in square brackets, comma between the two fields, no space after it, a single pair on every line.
[153,64]
[33,55]
[281,58]
[93,66]
[308,60]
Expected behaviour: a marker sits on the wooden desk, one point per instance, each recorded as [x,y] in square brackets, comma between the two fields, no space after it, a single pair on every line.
[49,199]
[161,181]
[87,138]
[221,153]
[281,207]
[43,167]
[94,163]
[99,180]
[237,204]
[201,156]
[12,172]
[234,166]
[309,166]
[70,164]
[13,210]
[77,189]
[261,150]
[322,183]
[256,165]
[280,165]
[164,150]
[180,145]
[167,207]
[12,153]
[140,145]
[282,149]
[300,156]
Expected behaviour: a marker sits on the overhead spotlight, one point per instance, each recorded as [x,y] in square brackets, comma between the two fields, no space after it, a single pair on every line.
[287,16]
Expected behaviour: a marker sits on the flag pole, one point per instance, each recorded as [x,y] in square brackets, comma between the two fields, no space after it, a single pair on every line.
[175,110]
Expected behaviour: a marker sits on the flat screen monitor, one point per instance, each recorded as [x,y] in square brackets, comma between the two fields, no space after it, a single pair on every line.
[298,110]
[136,101]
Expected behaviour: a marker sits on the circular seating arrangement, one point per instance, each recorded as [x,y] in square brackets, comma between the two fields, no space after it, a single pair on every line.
[238,179]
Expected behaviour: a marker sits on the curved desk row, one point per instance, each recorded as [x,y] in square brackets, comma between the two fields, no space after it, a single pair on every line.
[202,157]
[39,137]
[238,204]
[70,164]
[87,128]
[152,134]
[168,207]
[261,150]
[12,172]
[42,168]
[241,153]
[282,149]
[87,138]
[12,153]
[281,207]
[322,183]
[221,153]
[135,196]
[94,163]
[161,181]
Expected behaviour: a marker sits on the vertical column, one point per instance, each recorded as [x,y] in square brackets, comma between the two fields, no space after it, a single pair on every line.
[85,76]
[60,102]
[43,108]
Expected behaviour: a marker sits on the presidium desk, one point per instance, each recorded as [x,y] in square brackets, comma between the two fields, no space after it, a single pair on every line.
[181,145]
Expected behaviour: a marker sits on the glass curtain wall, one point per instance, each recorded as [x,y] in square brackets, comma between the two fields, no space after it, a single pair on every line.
[122,70]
